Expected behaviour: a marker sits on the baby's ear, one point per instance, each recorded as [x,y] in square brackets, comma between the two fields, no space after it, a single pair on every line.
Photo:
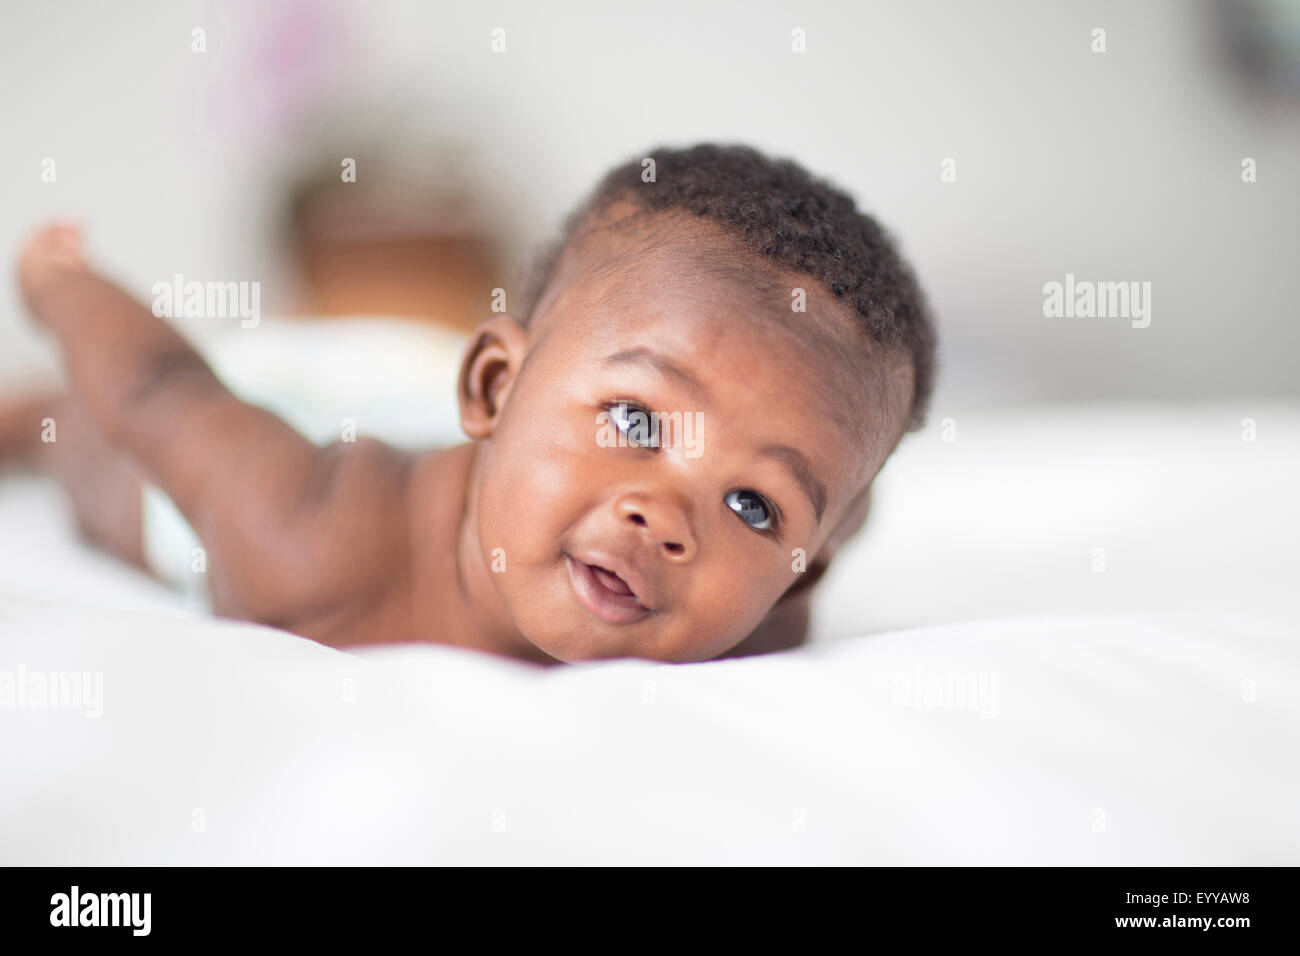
[487,372]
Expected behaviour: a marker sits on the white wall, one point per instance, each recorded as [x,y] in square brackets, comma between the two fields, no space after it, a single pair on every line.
[1115,166]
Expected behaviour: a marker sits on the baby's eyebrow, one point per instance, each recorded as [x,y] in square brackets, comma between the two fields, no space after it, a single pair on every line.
[661,364]
[803,474]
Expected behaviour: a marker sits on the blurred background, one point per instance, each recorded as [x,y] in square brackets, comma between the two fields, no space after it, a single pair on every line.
[207,139]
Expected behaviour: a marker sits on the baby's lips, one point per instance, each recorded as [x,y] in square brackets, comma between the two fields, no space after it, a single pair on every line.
[626,571]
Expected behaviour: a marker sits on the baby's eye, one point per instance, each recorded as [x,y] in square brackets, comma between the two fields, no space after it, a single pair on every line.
[635,423]
[751,507]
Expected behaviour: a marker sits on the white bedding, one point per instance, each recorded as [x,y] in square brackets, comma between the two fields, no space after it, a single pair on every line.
[981,690]
[1111,742]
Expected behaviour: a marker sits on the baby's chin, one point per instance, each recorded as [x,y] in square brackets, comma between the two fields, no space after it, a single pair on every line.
[593,641]
[573,635]
[572,641]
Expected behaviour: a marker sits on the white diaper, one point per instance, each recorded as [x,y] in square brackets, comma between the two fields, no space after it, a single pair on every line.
[172,549]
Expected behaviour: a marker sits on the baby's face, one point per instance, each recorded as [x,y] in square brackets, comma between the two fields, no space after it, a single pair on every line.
[612,543]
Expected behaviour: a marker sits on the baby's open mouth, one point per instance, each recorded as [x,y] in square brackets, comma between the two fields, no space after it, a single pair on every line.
[604,593]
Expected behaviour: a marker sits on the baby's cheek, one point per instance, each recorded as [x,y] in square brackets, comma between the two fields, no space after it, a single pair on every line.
[531,493]
[726,605]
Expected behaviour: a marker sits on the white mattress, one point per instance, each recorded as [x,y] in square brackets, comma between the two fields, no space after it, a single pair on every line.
[978,692]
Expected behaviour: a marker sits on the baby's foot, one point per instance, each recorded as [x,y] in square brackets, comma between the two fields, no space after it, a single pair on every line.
[51,253]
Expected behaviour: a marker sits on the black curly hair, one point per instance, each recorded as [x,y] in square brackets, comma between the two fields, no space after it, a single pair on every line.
[780,211]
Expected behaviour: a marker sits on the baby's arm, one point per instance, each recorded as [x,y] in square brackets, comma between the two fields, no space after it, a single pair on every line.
[283,521]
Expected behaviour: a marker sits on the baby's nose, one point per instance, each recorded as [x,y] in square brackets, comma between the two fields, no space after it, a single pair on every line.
[661,522]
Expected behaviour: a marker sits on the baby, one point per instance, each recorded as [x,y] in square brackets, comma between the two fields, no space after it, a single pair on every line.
[669,442]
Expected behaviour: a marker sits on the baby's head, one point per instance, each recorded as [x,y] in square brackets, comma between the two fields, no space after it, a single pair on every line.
[711,368]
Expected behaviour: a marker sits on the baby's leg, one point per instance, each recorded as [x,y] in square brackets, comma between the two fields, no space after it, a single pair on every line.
[20,425]
[104,486]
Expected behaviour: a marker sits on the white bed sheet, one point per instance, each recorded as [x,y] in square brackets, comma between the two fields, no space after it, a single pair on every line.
[1115,741]
[981,689]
